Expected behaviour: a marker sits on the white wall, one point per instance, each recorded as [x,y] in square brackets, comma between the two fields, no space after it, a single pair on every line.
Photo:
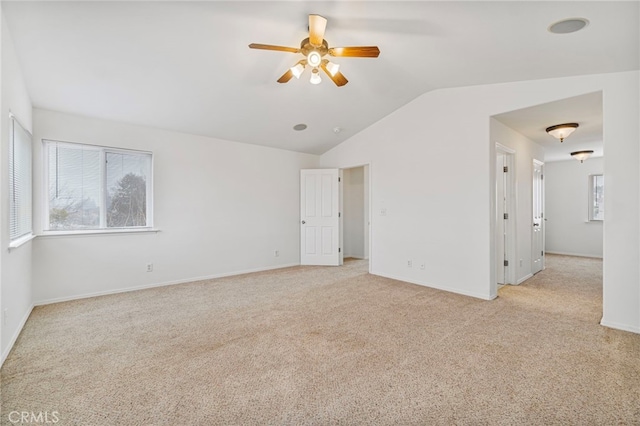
[354,212]
[15,264]
[569,230]
[221,208]
[367,212]
[433,163]
[525,152]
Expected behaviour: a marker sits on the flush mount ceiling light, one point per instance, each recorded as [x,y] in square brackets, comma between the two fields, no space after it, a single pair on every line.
[299,127]
[581,155]
[567,26]
[561,131]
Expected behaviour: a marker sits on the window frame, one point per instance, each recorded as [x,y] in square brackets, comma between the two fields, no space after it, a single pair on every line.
[591,197]
[17,240]
[103,229]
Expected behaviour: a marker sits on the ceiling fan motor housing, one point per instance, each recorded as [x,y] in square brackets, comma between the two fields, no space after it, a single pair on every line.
[306,47]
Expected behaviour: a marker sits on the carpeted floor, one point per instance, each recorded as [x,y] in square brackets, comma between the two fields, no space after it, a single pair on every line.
[315,345]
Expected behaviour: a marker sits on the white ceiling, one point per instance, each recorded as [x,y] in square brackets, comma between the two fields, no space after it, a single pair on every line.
[185,66]
[586,110]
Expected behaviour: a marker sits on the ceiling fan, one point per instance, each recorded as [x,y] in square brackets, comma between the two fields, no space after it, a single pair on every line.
[314,48]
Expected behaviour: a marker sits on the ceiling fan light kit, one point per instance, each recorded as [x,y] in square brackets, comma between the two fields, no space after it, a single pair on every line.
[297,70]
[561,131]
[315,77]
[332,68]
[314,59]
[314,48]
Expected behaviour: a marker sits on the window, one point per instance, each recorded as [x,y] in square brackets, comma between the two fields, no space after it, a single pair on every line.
[97,188]
[19,182]
[596,197]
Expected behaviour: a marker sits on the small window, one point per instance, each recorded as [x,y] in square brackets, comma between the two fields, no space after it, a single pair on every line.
[20,182]
[596,197]
[97,188]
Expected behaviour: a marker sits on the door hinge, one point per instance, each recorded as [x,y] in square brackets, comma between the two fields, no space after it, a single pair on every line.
[339,250]
[339,214]
[541,177]
[542,253]
[339,180]
[506,215]
[505,169]
[506,263]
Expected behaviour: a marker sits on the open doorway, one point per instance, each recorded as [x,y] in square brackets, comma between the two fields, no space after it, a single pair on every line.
[356,218]
[555,207]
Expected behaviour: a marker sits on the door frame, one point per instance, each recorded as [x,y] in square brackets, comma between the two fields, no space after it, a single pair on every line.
[368,177]
[511,252]
[539,163]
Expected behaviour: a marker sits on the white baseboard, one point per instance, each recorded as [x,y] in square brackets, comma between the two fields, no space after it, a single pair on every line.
[23,321]
[162,284]
[523,279]
[438,287]
[595,256]
[618,326]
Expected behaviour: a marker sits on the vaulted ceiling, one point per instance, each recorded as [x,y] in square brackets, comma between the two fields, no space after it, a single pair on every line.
[186,66]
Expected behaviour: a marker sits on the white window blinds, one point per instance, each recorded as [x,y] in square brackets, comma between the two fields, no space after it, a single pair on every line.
[94,187]
[596,197]
[20,184]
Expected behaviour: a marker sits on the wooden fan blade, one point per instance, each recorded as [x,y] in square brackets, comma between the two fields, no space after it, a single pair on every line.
[272,47]
[338,78]
[286,77]
[317,25]
[355,51]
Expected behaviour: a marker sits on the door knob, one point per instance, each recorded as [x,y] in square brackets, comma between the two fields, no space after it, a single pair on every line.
[303,222]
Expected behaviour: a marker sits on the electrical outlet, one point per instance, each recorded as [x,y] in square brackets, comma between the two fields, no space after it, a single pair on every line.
[521,263]
[5,316]
[149,267]
[409,263]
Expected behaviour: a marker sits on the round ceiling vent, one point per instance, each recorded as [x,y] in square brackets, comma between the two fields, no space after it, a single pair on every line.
[567,26]
[300,127]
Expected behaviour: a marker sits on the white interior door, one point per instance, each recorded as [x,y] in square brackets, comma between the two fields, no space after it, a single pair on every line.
[320,217]
[537,248]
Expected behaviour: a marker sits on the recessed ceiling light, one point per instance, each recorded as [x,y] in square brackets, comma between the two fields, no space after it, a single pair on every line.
[300,127]
[567,26]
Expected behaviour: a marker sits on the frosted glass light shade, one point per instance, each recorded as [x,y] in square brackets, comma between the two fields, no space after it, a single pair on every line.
[332,68]
[315,77]
[314,58]
[561,131]
[581,155]
[297,70]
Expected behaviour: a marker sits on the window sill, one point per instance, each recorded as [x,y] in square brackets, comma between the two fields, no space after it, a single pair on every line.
[46,234]
[20,241]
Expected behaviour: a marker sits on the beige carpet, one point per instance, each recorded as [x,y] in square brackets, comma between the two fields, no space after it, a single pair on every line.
[314,345]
